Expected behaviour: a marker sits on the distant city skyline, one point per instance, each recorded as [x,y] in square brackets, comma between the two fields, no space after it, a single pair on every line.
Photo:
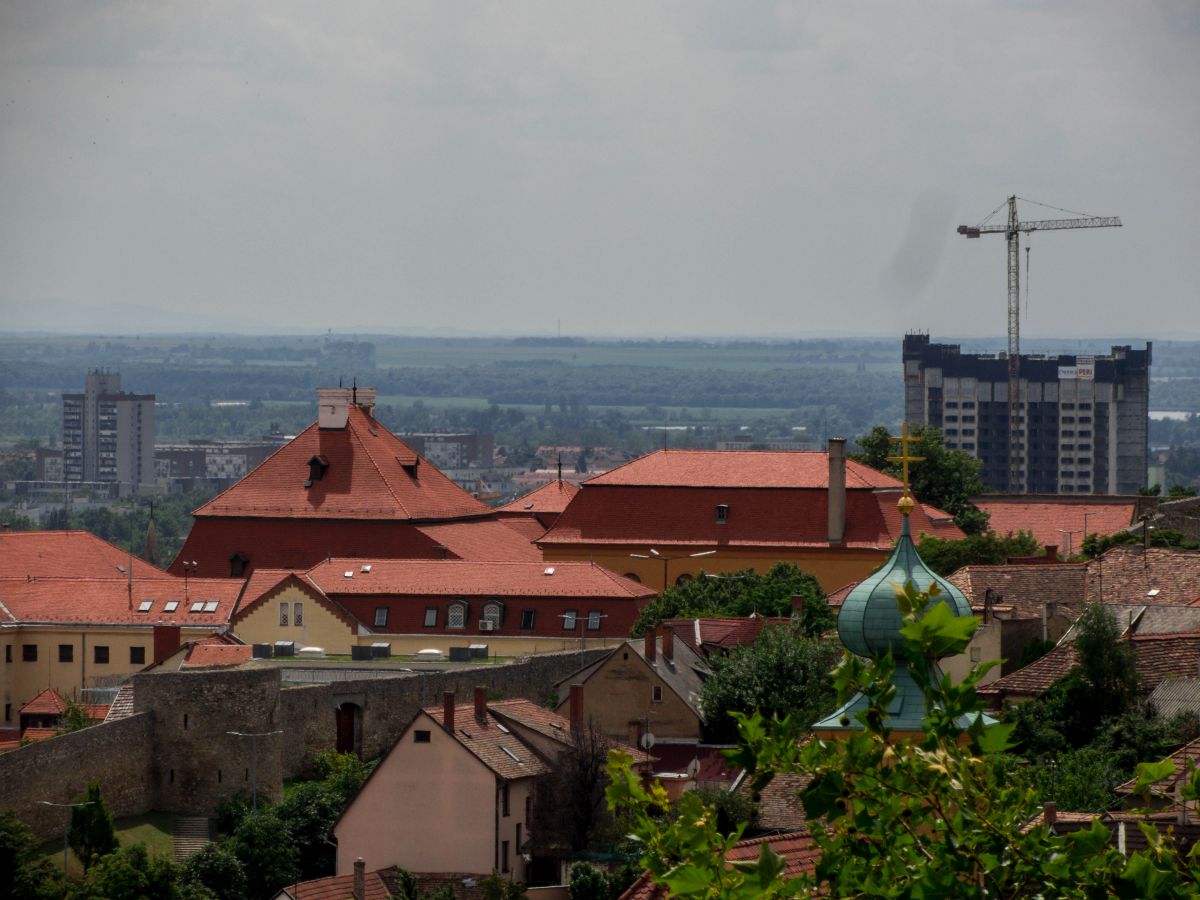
[657,169]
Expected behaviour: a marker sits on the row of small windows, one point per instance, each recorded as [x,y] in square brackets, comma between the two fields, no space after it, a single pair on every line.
[197,606]
[456,616]
[66,654]
[297,614]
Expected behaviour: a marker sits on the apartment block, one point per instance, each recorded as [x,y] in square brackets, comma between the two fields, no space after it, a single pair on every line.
[108,435]
[1082,422]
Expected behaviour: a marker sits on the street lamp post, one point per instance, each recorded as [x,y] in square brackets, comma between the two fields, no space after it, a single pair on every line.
[1070,545]
[667,560]
[66,824]
[254,736]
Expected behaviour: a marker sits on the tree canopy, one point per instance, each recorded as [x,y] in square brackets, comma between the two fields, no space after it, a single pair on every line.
[784,671]
[741,594]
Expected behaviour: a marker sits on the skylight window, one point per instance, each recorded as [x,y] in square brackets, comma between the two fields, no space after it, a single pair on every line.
[171,606]
[514,756]
[349,573]
[210,606]
[1153,592]
[502,728]
[549,570]
[198,606]
[366,570]
[144,606]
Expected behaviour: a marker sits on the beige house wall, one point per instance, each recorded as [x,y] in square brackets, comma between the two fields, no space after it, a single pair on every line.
[20,681]
[833,568]
[984,646]
[618,702]
[431,807]
[319,628]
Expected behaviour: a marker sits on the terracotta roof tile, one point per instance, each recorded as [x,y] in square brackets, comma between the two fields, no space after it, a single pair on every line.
[483,540]
[492,743]
[38,734]
[367,478]
[107,600]
[798,850]
[1045,516]
[1129,574]
[47,703]
[739,469]
[449,577]
[122,705]
[779,804]
[549,498]
[209,655]
[1024,586]
[66,553]
[96,712]
[337,887]
[528,528]
[706,633]
[1168,787]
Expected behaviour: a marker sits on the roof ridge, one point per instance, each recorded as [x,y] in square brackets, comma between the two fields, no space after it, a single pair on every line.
[211,500]
[355,436]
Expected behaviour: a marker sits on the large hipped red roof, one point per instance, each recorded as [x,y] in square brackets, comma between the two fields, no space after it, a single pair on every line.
[368,473]
[110,601]
[79,553]
[447,578]
[739,469]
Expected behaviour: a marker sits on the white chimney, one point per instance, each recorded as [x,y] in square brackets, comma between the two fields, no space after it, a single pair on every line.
[837,490]
[333,407]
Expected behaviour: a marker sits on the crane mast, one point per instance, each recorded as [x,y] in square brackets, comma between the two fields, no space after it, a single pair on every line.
[1012,233]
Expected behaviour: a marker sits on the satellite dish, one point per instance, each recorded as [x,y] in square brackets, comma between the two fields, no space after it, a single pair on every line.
[647,740]
[693,768]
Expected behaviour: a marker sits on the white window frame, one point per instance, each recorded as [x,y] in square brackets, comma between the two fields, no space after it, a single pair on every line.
[456,615]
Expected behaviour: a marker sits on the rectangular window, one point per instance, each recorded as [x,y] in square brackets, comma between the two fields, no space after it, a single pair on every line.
[504,799]
[594,617]
[518,837]
[101,655]
[656,693]
[283,613]
[421,737]
[381,614]
[137,656]
[569,618]
[144,606]
[297,614]
[504,856]
[527,618]
[171,606]
[29,652]
[8,653]
[431,617]
[66,652]
[7,712]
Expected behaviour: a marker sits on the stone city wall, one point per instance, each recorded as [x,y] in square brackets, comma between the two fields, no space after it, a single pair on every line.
[118,755]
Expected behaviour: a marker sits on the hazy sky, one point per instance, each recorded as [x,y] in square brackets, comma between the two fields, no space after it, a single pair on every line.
[640,168]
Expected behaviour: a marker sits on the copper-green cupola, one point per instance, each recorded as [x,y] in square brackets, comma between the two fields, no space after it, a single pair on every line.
[869,622]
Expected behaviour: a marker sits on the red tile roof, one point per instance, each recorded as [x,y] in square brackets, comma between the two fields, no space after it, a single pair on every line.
[739,469]
[450,577]
[798,850]
[107,600]
[492,742]
[1045,516]
[549,498]
[483,540]
[776,517]
[266,584]
[1159,657]
[47,703]
[530,529]
[366,478]
[1128,574]
[1025,586]
[723,633]
[1169,786]
[71,553]
[38,734]
[96,712]
[209,655]
[337,887]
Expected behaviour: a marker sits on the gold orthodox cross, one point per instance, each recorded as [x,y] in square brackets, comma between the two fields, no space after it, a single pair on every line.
[904,458]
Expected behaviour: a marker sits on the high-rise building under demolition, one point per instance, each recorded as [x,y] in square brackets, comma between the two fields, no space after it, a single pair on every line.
[1082,420]
[108,435]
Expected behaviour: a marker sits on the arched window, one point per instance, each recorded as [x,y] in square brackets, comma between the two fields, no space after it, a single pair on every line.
[237,565]
[632,576]
[456,615]
[493,611]
[683,579]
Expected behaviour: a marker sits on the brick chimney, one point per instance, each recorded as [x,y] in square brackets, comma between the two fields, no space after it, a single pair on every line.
[837,490]
[668,643]
[1050,813]
[333,407]
[167,639]
[448,711]
[651,650]
[360,879]
[480,704]
[577,707]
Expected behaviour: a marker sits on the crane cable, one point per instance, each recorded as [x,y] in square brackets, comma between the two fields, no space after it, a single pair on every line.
[1073,212]
[1027,283]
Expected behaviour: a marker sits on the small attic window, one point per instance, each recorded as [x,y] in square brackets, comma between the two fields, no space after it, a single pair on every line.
[210,605]
[722,513]
[349,573]
[409,462]
[366,570]
[528,505]
[1153,592]
[549,570]
[198,606]
[144,606]
[171,606]
[316,468]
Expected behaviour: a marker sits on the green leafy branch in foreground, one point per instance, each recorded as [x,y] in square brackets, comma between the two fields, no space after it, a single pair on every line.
[935,815]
